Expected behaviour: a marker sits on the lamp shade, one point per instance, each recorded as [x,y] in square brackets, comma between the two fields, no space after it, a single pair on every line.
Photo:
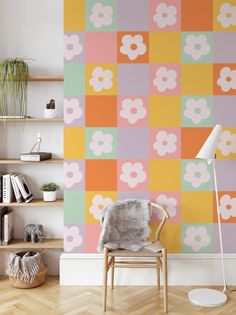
[208,149]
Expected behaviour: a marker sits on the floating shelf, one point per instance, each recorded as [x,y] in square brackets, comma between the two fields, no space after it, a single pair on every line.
[46,244]
[46,78]
[32,119]
[17,161]
[34,203]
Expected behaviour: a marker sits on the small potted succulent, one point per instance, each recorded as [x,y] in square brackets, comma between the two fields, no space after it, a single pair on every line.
[49,191]
[50,110]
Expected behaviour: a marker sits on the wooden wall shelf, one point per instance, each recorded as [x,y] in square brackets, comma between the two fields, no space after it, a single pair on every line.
[46,78]
[34,203]
[20,244]
[34,119]
[17,161]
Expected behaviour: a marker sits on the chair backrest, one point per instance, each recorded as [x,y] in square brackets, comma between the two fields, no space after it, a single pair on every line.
[163,221]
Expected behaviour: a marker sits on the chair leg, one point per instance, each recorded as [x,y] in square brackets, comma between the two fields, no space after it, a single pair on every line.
[112,273]
[165,285]
[158,274]
[105,252]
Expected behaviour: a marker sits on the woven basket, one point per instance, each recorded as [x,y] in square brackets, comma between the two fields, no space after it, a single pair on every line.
[38,280]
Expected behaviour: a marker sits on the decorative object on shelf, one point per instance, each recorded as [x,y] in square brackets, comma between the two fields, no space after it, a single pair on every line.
[50,110]
[209,297]
[13,87]
[49,191]
[26,269]
[33,233]
[36,156]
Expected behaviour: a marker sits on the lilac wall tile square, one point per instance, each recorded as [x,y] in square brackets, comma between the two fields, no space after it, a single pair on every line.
[224,110]
[228,237]
[132,143]
[224,48]
[226,175]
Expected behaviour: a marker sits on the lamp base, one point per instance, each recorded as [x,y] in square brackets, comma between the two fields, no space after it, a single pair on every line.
[207,297]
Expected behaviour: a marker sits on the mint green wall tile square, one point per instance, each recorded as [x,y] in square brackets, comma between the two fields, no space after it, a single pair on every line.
[196,175]
[197,111]
[74,79]
[197,238]
[101,16]
[74,207]
[197,47]
[101,143]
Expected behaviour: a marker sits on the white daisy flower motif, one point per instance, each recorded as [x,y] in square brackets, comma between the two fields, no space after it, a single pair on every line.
[196,46]
[98,204]
[72,238]
[72,46]
[101,79]
[169,204]
[133,110]
[101,15]
[196,238]
[165,143]
[165,15]
[227,15]
[72,110]
[196,174]
[101,143]
[227,207]
[165,79]
[133,174]
[227,143]
[196,110]
[73,175]
[227,80]
[133,46]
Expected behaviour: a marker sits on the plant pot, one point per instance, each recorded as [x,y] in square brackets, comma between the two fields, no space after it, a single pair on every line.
[50,113]
[49,195]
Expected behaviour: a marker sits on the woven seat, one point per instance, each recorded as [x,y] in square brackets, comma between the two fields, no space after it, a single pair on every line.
[137,260]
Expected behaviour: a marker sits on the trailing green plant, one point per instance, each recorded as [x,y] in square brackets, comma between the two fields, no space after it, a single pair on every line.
[13,87]
[49,187]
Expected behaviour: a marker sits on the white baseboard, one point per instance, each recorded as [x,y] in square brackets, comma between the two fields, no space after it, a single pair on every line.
[183,269]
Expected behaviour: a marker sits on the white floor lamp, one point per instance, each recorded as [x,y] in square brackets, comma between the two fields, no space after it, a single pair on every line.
[210,297]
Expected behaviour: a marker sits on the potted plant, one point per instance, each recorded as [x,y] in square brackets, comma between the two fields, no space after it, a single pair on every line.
[49,191]
[50,110]
[13,87]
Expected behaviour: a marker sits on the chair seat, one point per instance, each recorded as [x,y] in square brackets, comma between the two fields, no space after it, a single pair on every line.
[128,253]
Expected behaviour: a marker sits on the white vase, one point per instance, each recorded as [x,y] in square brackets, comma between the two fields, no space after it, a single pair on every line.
[49,195]
[50,113]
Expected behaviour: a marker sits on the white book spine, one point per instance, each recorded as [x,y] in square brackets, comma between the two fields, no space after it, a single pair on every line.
[7,189]
[7,228]
[16,190]
[23,187]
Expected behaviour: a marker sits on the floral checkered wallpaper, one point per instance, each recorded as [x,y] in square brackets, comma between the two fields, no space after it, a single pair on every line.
[145,82]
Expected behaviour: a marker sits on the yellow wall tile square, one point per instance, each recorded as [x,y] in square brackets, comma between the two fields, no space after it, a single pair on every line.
[225,143]
[197,207]
[95,202]
[164,47]
[89,74]
[170,236]
[74,143]
[197,79]
[74,15]
[165,175]
[165,111]
[217,26]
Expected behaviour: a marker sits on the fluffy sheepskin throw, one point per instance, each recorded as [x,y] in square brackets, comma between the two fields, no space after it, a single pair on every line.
[125,225]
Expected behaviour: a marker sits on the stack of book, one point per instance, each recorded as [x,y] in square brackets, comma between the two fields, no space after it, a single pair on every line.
[6,226]
[13,187]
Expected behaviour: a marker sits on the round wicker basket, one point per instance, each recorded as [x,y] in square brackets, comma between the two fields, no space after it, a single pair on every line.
[38,280]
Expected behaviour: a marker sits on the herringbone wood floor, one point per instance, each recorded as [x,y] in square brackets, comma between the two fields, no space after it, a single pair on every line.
[51,299]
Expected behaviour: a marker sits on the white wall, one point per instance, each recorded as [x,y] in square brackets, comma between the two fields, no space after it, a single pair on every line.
[34,29]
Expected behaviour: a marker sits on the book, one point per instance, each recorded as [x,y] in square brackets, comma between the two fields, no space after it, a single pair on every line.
[7,190]
[8,227]
[18,195]
[36,156]
[2,212]
[23,187]
[1,175]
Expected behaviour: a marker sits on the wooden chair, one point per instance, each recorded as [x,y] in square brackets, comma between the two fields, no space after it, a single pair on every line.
[159,261]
